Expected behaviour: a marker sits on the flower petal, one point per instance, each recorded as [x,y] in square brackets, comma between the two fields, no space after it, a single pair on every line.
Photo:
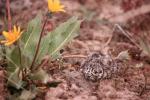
[3,41]
[6,34]
[15,29]
[11,37]
[55,6]
[50,3]
[9,43]
[62,10]
[18,29]
[57,2]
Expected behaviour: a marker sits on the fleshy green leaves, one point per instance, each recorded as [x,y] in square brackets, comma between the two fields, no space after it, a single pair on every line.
[31,37]
[14,79]
[13,57]
[41,75]
[20,59]
[55,40]
[67,34]
[52,42]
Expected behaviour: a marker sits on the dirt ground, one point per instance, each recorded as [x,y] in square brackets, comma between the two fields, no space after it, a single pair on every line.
[94,35]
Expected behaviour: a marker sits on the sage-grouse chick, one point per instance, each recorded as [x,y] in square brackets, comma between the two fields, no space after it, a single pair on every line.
[99,66]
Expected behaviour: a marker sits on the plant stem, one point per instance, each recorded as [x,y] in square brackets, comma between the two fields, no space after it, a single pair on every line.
[38,45]
[8,14]
[74,56]
[125,33]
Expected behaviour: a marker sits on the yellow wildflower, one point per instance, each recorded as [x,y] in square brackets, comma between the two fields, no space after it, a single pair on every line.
[11,36]
[55,6]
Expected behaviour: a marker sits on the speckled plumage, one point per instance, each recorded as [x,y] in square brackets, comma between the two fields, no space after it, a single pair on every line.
[98,66]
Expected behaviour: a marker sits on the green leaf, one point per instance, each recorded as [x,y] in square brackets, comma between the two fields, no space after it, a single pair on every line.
[55,40]
[13,57]
[14,79]
[13,69]
[27,95]
[31,37]
[41,75]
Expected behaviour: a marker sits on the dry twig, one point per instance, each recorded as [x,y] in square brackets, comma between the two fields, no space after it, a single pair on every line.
[130,14]
[8,14]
